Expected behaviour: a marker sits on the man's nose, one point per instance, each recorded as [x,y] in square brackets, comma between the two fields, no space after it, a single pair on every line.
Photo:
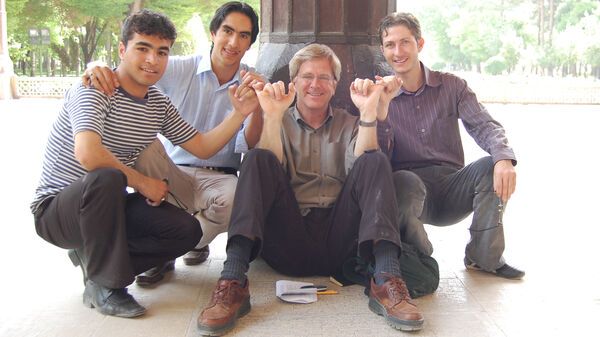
[234,41]
[151,58]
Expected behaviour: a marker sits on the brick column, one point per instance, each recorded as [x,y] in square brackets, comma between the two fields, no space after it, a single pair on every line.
[349,27]
[6,66]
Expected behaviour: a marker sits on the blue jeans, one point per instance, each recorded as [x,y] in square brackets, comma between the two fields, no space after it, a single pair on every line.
[442,196]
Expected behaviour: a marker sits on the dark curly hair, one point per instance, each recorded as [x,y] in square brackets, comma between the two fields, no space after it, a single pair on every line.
[235,6]
[148,22]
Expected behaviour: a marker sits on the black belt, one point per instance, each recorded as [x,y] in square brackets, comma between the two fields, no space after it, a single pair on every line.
[226,170]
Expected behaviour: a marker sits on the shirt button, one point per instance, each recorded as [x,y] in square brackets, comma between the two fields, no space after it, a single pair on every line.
[418,107]
[422,130]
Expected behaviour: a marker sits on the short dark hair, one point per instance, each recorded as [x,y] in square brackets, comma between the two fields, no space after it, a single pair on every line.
[148,22]
[235,6]
[395,19]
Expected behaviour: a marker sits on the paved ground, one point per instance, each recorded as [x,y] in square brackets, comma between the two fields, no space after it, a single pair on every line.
[551,231]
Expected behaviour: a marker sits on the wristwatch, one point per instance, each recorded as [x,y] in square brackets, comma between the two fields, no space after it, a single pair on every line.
[367,124]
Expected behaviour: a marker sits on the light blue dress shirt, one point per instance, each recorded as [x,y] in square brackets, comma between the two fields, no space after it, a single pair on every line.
[194,89]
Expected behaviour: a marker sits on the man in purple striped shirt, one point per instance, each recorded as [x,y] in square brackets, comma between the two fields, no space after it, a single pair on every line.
[418,129]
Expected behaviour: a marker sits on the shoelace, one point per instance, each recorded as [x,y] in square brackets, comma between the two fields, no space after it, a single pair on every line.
[397,287]
[223,294]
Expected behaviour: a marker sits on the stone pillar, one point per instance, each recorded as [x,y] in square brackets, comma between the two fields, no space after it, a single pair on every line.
[349,27]
[6,66]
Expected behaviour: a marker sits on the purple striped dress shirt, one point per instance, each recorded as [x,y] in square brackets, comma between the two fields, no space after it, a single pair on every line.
[422,127]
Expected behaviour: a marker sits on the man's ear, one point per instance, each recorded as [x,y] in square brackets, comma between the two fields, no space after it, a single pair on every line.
[121,50]
[420,44]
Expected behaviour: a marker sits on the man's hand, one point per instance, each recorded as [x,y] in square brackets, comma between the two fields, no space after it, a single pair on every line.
[101,76]
[243,98]
[391,86]
[273,99]
[155,191]
[365,95]
[250,78]
[505,179]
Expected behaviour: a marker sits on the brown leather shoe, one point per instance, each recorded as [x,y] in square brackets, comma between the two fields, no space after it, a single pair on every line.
[196,256]
[229,302]
[392,300]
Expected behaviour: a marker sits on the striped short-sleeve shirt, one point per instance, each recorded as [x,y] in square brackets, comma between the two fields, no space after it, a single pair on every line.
[126,124]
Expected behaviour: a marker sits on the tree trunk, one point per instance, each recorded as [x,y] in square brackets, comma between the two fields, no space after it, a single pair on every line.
[108,47]
[137,5]
[32,68]
[89,41]
[541,24]
[551,24]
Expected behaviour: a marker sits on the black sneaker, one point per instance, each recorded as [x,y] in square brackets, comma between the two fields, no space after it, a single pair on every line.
[113,302]
[506,271]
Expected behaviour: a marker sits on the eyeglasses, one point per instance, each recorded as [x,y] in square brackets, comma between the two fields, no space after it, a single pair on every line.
[179,203]
[311,77]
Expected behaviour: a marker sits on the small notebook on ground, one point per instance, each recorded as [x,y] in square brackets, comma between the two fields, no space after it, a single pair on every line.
[293,291]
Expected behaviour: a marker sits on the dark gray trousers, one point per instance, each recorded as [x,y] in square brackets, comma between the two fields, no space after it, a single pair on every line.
[320,242]
[121,236]
[441,196]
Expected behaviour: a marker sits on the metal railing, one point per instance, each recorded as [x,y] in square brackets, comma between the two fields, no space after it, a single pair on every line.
[496,89]
[54,87]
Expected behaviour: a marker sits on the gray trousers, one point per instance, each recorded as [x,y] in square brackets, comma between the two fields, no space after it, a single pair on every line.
[206,194]
[442,196]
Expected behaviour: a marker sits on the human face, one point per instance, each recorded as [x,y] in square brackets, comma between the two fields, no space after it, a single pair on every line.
[401,50]
[315,85]
[231,40]
[143,62]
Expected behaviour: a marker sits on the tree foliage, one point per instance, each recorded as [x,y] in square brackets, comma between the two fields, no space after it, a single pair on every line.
[542,36]
[83,30]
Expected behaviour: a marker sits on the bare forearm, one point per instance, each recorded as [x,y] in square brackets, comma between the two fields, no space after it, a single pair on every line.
[270,138]
[366,140]
[208,144]
[254,129]
[100,157]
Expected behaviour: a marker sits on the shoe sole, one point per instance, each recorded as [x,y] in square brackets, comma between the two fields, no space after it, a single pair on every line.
[87,301]
[396,323]
[222,329]
[193,262]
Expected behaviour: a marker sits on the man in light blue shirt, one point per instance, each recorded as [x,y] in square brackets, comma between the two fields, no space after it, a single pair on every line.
[200,86]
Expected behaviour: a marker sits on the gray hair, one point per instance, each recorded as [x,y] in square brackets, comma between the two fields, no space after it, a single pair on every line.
[315,51]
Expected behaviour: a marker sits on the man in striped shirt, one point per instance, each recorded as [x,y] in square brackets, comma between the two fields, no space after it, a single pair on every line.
[418,129]
[81,202]
[198,86]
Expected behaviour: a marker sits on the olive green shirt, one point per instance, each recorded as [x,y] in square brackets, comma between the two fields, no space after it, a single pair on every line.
[317,161]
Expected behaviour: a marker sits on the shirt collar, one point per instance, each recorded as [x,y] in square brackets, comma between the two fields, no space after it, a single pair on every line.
[298,118]
[205,66]
[432,79]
